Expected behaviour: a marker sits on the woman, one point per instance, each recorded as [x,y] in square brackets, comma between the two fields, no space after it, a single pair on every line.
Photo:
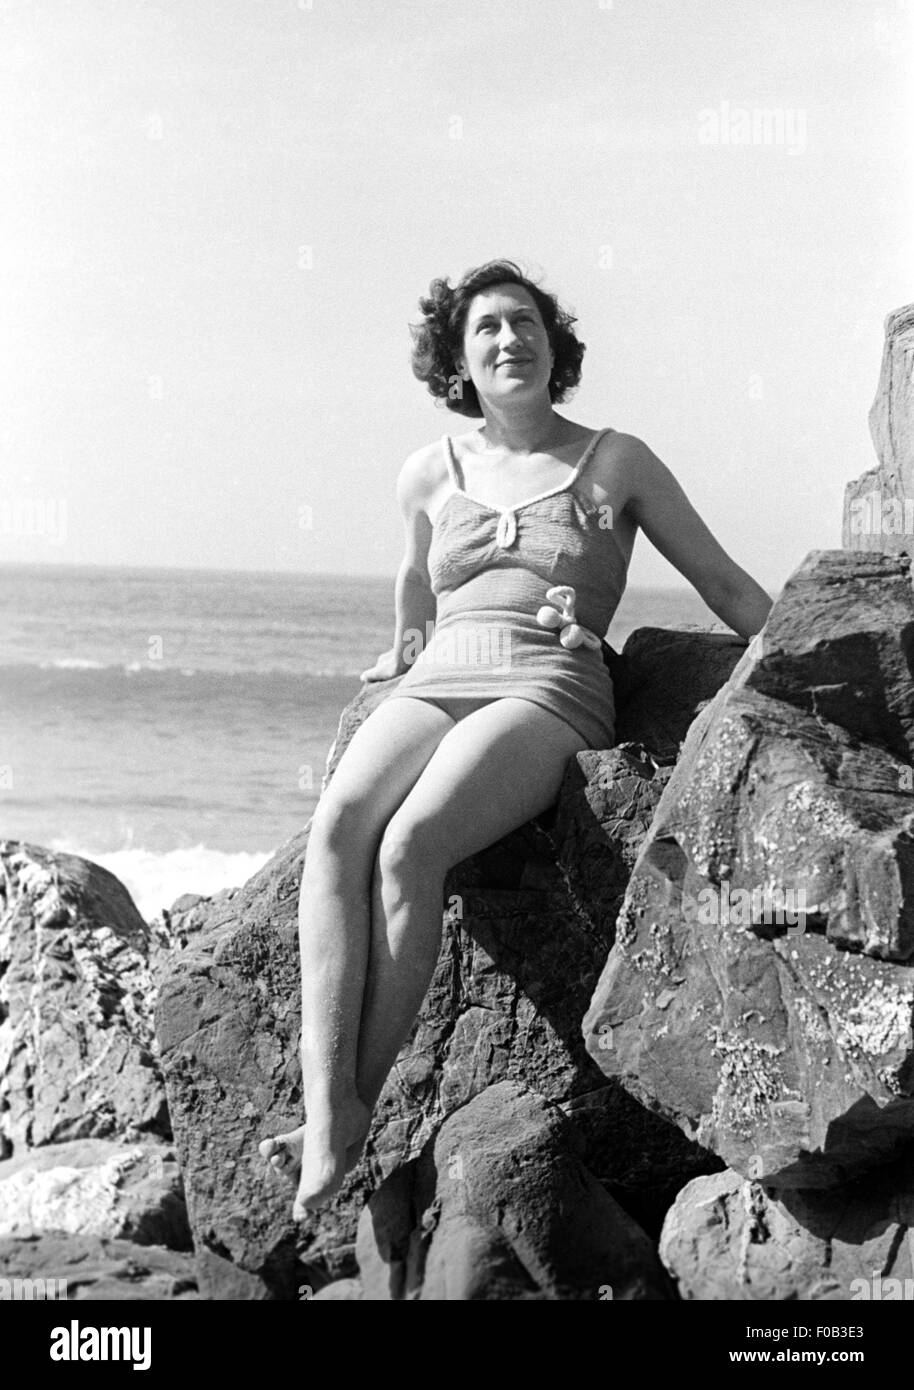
[518,539]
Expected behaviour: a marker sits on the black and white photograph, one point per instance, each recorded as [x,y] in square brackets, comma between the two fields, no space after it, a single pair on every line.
[457,667]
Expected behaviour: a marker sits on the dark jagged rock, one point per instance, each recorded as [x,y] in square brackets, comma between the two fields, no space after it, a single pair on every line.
[787,1045]
[839,644]
[663,679]
[605,810]
[524,941]
[77,1045]
[228,1022]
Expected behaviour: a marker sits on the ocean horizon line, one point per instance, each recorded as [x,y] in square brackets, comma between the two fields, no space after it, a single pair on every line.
[43,566]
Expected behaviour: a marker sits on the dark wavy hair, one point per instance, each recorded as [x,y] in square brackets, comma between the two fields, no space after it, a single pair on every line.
[438,339]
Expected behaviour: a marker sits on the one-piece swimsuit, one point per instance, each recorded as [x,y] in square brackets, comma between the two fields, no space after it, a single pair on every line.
[490,569]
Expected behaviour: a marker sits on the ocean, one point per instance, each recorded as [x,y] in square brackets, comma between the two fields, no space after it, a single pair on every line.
[173,725]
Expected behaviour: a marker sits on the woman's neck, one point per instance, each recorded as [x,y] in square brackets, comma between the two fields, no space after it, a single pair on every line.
[531,432]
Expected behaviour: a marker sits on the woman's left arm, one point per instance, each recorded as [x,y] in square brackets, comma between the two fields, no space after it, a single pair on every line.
[670,522]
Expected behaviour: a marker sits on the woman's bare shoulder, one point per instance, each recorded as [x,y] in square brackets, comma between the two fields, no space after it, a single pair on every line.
[618,452]
[624,467]
[422,475]
[619,444]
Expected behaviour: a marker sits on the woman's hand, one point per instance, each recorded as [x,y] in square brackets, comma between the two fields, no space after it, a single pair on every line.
[385,668]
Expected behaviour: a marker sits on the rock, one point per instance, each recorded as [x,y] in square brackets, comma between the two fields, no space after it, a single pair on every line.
[505,1001]
[228,1032]
[340,1291]
[787,1046]
[186,903]
[500,1206]
[879,506]
[726,1238]
[77,1045]
[519,960]
[386,1234]
[839,644]
[81,1267]
[175,925]
[96,1187]
[605,809]
[663,679]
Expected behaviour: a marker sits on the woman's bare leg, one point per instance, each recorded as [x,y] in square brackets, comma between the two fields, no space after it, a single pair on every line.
[374,775]
[495,770]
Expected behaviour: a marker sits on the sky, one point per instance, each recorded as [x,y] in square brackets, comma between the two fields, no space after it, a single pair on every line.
[217,219]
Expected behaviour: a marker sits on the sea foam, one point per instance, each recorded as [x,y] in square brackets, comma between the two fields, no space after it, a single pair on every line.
[155,879]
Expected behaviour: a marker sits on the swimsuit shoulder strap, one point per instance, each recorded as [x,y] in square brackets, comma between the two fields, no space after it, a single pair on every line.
[453,467]
[589,452]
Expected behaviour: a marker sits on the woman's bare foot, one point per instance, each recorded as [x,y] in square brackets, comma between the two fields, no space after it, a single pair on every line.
[319,1156]
[284,1152]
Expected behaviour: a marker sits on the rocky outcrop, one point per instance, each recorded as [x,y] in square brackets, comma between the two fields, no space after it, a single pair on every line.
[515,1155]
[781,1041]
[77,1044]
[729,1238]
[879,506]
[527,931]
[96,1187]
[92,1193]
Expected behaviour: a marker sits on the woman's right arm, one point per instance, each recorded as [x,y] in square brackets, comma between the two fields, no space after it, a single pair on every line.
[415,602]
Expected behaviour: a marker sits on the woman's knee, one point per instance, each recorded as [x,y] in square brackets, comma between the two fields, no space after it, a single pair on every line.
[342,822]
[413,845]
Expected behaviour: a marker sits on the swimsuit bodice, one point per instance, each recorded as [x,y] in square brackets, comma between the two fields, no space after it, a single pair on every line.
[485,558]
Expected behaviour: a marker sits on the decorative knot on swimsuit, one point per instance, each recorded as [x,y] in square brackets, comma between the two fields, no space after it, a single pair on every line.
[561,615]
[506,530]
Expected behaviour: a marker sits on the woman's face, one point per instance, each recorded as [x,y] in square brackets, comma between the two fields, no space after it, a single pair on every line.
[506,347]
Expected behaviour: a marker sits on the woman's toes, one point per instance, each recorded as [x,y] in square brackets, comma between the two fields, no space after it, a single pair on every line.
[276,1152]
[283,1151]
